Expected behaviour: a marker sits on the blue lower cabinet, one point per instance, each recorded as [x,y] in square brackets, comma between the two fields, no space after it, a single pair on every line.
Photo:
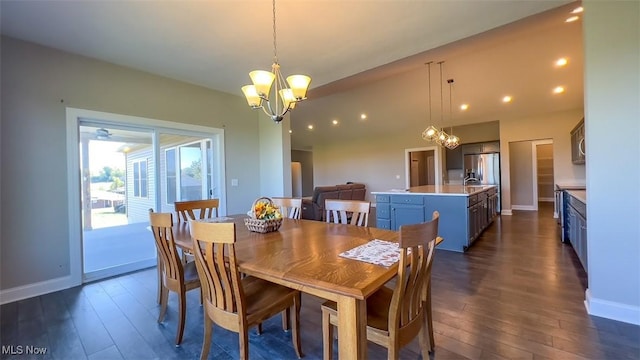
[405,215]
[383,224]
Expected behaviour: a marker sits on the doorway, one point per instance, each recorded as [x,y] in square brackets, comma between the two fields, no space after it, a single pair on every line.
[422,166]
[126,166]
[115,176]
[531,173]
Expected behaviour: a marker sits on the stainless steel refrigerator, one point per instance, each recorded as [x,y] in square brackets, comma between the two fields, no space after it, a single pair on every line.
[484,168]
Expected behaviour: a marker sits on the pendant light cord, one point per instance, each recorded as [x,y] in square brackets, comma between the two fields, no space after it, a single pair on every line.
[450,81]
[429,92]
[441,97]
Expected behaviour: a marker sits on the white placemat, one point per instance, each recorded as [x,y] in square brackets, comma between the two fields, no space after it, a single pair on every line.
[378,252]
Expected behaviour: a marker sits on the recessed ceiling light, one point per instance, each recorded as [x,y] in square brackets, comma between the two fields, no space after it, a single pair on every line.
[561,62]
[572,19]
[577,10]
[335,122]
[363,116]
[310,127]
[507,99]
[558,90]
[290,131]
[464,107]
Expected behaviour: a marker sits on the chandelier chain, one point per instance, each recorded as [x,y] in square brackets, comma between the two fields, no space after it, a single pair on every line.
[275,49]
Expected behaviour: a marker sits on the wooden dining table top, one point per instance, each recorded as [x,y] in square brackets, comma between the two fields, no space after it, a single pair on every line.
[304,254]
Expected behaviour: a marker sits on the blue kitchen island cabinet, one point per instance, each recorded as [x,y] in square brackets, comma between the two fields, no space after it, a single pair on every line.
[465,211]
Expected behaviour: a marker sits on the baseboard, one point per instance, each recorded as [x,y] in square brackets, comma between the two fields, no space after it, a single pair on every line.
[35,289]
[523,207]
[546,199]
[506,212]
[612,310]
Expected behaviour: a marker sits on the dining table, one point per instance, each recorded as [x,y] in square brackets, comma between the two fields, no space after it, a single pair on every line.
[305,255]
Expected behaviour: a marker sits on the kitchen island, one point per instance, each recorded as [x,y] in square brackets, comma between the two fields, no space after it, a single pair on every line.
[465,211]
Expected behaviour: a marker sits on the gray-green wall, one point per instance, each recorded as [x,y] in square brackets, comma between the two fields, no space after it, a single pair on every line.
[38,83]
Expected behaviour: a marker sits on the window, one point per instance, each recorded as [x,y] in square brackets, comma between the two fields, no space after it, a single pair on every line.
[189,170]
[140,178]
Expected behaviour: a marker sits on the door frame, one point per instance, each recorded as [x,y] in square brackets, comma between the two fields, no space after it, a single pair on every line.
[73,118]
[437,154]
[534,170]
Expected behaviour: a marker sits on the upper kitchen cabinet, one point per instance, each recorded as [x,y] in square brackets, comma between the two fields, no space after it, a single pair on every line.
[480,148]
[454,158]
[578,146]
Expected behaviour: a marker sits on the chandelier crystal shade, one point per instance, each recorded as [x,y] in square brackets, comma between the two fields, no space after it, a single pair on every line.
[284,96]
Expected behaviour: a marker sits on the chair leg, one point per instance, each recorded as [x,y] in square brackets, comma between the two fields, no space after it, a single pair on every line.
[159,267]
[206,342]
[327,336]
[285,319]
[259,329]
[423,337]
[296,325]
[182,304]
[429,320]
[164,299]
[244,344]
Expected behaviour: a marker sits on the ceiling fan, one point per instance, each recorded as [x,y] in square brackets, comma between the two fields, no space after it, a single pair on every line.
[103,134]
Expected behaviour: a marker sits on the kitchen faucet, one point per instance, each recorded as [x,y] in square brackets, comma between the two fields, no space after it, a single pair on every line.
[469,179]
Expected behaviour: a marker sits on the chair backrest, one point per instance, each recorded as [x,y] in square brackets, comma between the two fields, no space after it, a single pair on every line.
[417,243]
[215,256]
[162,228]
[289,207]
[186,209]
[337,211]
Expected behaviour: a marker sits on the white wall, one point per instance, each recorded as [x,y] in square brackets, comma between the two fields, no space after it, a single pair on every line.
[555,126]
[612,82]
[38,84]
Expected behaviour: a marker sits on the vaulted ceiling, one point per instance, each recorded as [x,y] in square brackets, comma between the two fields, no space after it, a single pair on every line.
[359,53]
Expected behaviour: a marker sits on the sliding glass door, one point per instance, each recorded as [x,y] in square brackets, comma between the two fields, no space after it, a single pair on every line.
[128,170]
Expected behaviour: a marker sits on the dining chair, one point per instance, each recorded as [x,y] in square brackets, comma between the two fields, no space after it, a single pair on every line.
[176,276]
[396,316]
[186,210]
[289,207]
[354,212]
[207,209]
[233,302]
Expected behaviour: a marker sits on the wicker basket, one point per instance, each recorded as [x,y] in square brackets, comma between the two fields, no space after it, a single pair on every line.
[259,225]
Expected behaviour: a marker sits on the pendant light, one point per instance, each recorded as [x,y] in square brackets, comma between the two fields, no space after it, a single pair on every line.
[442,136]
[430,133]
[452,141]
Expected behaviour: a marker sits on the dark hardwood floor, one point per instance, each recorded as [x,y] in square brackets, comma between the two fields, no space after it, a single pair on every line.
[516,294]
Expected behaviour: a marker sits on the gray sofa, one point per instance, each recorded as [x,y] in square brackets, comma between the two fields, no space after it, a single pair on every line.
[313,209]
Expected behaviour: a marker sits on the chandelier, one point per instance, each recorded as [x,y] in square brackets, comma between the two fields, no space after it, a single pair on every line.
[284,98]
[432,133]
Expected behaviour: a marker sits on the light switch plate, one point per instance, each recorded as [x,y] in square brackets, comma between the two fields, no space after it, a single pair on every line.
[234,182]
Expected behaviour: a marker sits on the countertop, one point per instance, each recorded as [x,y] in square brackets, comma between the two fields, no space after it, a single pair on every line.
[579,194]
[447,190]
